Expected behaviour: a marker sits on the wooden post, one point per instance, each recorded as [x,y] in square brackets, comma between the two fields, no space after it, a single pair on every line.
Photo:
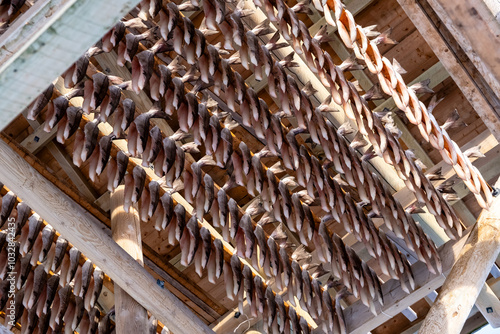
[83,231]
[467,277]
[130,316]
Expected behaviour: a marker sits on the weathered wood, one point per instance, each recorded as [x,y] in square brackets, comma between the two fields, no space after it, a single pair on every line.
[130,316]
[463,284]
[450,61]
[84,232]
[45,48]
[474,27]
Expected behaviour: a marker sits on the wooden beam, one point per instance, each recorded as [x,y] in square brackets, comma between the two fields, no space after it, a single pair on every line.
[474,27]
[443,50]
[462,286]
[130,316]
[359,318]
[84,232]
[45,48]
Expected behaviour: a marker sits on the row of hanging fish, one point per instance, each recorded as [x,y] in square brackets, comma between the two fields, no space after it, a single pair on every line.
[160,211]
[136,182]
[286,89]
[389,75]
[53,291]
[383,141]
[243,117]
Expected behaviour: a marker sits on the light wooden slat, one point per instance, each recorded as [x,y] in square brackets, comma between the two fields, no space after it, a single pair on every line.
[83,231]
[45,48]
[130,316]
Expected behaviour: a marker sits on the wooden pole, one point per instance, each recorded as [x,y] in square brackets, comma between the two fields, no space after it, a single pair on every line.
[83,231]
[466,279]
[130,316]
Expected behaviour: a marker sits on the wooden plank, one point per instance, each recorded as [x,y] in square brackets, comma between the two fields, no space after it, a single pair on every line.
[474,27]
[45,48]
[130,316]
[39,138]
[359,318]
[462,286]
[450,61]
[84,232]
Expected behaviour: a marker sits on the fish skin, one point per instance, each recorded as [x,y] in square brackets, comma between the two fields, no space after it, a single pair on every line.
[74,256]
[223,206]
[91,132]
[61,247]
[249,286]
[272,305]
[8,202]
[105,144]
[219,257]
[259,293]
[247,227]
[180,214]
[170,150]
[39,281]
[168,207]
[87,270]
[261,241]
[122,163]
[42,100]
[274,256]
[143,122]
[237,273]
[23,213]
[206,238]
[235,216]
[52,285]
[154,193]
[286,199]
[35,225]
[24,271]
[139,175]
[194,232]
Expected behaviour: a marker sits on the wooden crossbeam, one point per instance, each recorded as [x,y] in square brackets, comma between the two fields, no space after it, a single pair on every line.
[474,27]
[65,215]
[473,91]
[46,43]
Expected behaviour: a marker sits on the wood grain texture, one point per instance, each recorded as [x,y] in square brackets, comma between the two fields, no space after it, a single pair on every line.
[462,286]
[452,64]
[83,231]
[130,316]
